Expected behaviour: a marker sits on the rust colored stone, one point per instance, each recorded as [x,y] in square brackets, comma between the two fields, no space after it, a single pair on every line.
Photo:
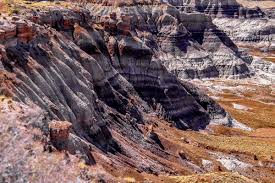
[59,132]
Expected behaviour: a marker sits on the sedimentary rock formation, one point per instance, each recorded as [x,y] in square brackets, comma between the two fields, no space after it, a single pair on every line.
[219,8]
[102,64]
[112,67]
[260,36]
[102,78]
[119,69]
[188,44]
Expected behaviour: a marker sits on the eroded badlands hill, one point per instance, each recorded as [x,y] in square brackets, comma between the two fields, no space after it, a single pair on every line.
[113,70]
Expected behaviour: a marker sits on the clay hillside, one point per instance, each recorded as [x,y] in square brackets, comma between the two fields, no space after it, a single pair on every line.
[137,91]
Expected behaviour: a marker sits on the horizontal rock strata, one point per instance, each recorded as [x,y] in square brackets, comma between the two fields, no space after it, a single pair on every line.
[107,67]
[103,82]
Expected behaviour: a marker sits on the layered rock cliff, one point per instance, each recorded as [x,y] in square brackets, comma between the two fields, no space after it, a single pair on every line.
[219,8]
[188,44]
[103,81]
[250,27]
[111,69]
[78,63]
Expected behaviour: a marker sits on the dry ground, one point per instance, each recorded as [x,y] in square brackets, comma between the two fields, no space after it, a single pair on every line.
[268,56]
[213,177]
[188,150]
[258,100]
[260,3]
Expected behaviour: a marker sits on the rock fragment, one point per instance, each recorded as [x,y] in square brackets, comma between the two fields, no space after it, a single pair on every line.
[59,133]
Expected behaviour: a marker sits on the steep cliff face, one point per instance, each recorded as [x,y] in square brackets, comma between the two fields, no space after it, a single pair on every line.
[236,17]
[253,33]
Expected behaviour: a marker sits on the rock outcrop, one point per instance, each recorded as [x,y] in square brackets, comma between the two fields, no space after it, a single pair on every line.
[59,132]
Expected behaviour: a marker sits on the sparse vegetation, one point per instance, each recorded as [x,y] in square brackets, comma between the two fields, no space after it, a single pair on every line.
[261,103]
[13,6]
[259,99]
[239,144]
[224,177]
[129,179]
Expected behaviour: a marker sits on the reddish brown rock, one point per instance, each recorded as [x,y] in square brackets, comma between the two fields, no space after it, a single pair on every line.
[68,24]
[10,31]
[59,132]
[24,31]
[124,25]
